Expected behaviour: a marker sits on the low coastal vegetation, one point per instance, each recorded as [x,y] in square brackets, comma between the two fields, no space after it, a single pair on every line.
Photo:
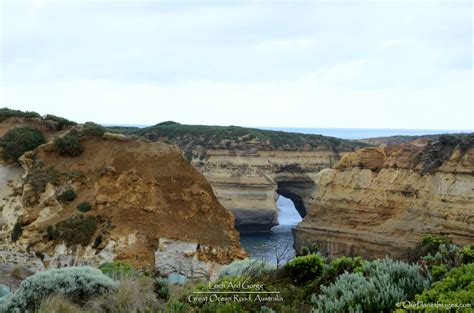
[70,144]
[74,231]
[307,283]
[191,138]
[59,123]
[17,141]
[439,272]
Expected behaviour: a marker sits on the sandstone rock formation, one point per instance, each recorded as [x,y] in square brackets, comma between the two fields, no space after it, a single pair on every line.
[381,201]
[248,183]
[132,194]
[248,167]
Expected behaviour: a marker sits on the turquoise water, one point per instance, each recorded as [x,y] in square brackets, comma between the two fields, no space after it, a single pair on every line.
[280,240]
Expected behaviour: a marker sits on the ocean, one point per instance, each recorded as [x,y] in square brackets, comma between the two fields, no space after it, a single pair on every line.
[280,240]
[349,133]
[362,133]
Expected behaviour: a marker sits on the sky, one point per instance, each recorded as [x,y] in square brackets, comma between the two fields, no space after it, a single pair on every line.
[352,64]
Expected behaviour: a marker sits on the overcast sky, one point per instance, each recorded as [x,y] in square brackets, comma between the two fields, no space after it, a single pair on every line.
[357,64]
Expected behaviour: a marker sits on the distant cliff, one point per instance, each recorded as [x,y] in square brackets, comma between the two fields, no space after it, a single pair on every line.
[381,201]
[249,167]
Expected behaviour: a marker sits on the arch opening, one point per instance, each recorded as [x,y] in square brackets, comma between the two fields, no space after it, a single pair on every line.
[287,213]
[298,190]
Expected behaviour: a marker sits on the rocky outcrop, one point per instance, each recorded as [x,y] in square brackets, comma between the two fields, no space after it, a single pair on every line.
[115,201]
[249,167]
[382,201]
[248,182]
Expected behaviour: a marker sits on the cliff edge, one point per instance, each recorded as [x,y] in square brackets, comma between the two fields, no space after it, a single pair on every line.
[119,199]
[381,201]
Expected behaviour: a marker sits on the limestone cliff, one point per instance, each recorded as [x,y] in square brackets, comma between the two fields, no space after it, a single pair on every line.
[120,199]
[382,201]
[248,184]
[249,167]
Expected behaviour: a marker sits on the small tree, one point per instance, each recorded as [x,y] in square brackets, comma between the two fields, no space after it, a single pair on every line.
[17,141]
[283,253]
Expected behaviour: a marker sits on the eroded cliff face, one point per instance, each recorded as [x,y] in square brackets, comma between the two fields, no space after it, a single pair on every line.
[381,201]
[248,182]
[141,195]
[249,167]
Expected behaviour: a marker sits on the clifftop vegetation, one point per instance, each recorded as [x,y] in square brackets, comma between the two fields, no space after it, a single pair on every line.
[400,139]
[228,137]
[61,122]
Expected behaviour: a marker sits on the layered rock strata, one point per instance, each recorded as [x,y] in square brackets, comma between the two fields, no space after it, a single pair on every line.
[380,202]
[249,182]
[249,167]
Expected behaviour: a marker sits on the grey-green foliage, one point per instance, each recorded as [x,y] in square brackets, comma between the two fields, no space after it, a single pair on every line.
[379,287]
[266,309]
[77,283]
[247,267]
[443,259]
[4,293]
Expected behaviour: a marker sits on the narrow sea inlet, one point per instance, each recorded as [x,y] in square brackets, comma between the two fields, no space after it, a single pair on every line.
[271,246]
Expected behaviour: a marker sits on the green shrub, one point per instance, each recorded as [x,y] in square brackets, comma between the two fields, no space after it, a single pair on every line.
[438,271]
[382,284]
[247,267]
[309,250]
[160,287]
[17,141]
[304,268]
[468,254]
[66,196]
[176,306]
[17,231]
[7,113]
[79,284]
[74,231]
[456,287]
[69,144]
[117,269]
[84,206]
[61,122]
[345,264]
[93,129]
[431,243]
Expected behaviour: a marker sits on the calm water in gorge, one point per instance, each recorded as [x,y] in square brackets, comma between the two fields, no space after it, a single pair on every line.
[263,246]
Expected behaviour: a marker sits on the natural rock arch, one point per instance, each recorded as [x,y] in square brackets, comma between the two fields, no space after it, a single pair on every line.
[298,189]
